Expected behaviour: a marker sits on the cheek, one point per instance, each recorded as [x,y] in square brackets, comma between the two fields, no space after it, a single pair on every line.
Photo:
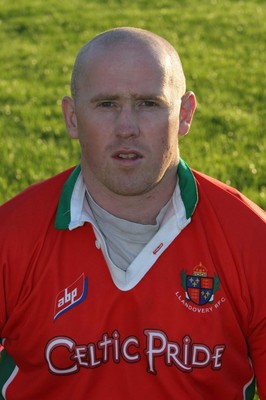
[169,148]
[87,136]
[89,147]
[169,141]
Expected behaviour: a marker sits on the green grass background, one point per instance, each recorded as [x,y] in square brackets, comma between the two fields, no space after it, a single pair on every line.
[222,46]
[221,43]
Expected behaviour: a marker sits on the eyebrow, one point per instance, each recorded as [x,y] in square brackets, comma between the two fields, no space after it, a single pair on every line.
[136,96]
[103,96]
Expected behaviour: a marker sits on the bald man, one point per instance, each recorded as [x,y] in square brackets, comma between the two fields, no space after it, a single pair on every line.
[128,107]
[131,276]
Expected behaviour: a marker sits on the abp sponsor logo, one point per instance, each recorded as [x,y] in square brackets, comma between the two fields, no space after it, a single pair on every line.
[71,296]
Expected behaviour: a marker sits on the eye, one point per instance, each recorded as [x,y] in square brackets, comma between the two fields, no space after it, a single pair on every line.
[106,104]
[148,103]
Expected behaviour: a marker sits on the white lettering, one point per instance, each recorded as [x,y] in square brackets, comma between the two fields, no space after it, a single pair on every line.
[65,357]
[68,297]
[105,344]
[80,354]
[156,344]
[51,347]
[199,309]
[217,356]
[92,353]
[173,350]
[200,356]
[127,343]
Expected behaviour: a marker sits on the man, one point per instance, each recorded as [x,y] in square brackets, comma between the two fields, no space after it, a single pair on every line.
[131,276]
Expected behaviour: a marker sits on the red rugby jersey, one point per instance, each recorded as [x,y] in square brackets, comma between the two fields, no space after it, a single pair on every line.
[193,327]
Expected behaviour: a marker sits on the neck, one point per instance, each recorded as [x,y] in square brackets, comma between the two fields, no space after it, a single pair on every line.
[142,208]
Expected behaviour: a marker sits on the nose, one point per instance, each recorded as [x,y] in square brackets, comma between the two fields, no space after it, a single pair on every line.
[127,123]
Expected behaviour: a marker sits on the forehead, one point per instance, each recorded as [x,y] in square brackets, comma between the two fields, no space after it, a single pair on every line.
[125,67]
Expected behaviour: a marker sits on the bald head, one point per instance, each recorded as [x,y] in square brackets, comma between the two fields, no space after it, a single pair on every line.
[126,38]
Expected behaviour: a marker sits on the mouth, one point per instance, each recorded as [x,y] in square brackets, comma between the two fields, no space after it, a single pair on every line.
[130,156]
[127,155]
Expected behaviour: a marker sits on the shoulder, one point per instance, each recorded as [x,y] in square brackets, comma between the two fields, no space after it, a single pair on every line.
[232,226]
[226,200]
[224,210]
[39,201]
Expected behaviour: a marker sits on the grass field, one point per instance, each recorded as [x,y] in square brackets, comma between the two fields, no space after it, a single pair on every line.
[223,51]
[221,43]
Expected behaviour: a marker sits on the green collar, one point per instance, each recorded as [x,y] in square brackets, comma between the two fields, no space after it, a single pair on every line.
[187,184]
[63,216]
[188,188]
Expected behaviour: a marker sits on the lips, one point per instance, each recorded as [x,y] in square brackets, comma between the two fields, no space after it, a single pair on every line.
[130,155]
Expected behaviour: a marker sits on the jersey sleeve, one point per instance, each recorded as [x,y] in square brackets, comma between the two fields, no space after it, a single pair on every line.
[3,269]
[254,255]
[9,268]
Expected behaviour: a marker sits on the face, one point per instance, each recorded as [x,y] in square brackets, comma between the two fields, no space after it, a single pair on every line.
[126,117]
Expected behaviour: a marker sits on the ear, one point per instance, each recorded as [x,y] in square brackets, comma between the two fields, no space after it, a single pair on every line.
[68,108]
[188,106]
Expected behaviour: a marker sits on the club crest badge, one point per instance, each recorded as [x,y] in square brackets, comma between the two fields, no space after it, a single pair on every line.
[199,287]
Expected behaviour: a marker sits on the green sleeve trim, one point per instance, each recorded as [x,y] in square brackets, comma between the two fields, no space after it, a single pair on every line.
[63,216]
[188,188]
[7,366]
[250,390]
